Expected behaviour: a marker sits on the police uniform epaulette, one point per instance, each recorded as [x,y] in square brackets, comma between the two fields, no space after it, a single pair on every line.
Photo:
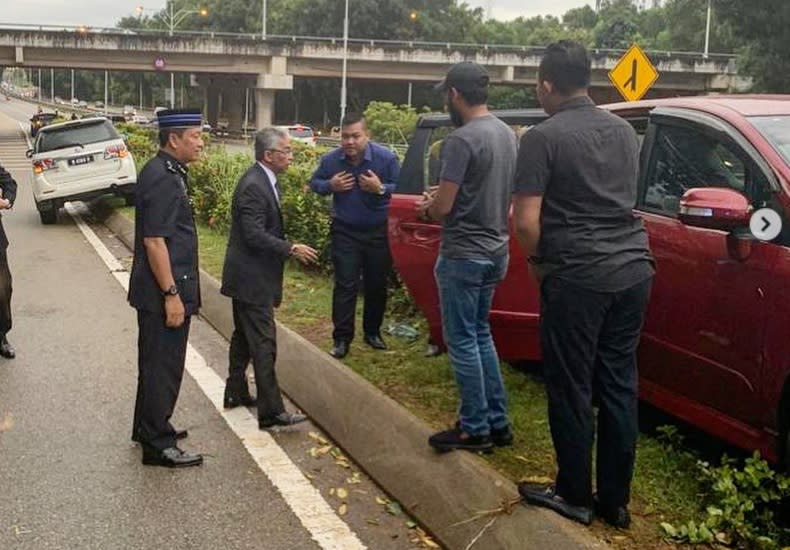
[175,168]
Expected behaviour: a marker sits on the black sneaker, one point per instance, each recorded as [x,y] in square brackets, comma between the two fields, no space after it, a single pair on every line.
[449,440]
[616,516]
[503,437]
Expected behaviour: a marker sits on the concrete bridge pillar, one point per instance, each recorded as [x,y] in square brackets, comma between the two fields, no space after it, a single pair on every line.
[233,106]
[264,108]
[268,83]
[212,105]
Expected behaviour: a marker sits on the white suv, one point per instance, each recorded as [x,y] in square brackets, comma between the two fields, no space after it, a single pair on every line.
[79,160]
[301,133]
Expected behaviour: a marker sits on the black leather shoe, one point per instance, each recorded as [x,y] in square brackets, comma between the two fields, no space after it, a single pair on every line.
[180,434]
[172,457]
[375,341]
[282,419]
[340,350]
[616,516]
[232,400]
[6,349]
[547,497]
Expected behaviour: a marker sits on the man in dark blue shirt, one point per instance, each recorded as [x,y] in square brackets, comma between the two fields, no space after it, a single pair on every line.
[361,176]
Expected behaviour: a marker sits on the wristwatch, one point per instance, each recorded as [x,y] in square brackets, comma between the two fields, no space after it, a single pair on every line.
[382,190]
[172,291]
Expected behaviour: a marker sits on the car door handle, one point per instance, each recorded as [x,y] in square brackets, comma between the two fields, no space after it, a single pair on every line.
[422,231]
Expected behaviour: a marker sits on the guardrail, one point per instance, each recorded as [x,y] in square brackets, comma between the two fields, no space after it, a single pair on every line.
[410,44]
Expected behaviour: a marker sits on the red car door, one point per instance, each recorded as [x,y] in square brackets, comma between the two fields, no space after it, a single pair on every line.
[701,353]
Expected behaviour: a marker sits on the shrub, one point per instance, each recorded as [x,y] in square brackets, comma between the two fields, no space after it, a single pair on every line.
[389,123]
[212,182]
[141,142]
[739,505]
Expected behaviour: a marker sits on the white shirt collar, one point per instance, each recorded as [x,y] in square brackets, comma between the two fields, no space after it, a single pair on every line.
[272,179]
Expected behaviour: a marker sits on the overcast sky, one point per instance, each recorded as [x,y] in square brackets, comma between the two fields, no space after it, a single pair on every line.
[104,13]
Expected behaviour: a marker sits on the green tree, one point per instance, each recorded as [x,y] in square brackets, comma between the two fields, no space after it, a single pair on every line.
[389,123]
[763,32]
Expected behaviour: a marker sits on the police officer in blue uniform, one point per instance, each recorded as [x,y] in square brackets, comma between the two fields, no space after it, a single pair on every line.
[164,285]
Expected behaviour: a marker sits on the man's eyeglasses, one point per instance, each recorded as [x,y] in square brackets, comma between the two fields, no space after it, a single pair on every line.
[286,152]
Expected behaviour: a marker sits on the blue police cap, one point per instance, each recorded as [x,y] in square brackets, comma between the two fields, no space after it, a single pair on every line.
[179,118]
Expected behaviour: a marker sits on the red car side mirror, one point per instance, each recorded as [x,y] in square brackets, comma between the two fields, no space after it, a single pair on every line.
[715,208]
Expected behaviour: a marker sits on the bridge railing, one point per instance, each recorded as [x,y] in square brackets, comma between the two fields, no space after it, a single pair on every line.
[280,39]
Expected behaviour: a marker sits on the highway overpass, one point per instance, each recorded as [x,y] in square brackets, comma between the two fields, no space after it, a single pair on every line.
[226,64]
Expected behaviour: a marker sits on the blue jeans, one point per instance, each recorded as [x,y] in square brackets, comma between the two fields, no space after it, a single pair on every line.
[466,290]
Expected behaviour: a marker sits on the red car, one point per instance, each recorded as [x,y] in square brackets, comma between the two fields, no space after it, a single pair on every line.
[714,350]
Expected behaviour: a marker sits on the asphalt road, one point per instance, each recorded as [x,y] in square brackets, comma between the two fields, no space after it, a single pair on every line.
[69,475]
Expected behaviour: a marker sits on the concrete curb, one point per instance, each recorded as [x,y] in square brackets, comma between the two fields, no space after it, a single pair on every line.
[390,443]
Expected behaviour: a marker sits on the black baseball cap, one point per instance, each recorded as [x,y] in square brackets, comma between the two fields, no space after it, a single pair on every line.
[466,76]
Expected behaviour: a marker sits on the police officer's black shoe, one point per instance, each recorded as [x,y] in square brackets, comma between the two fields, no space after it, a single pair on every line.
[282,419]
[180,434]
[6,349]
[233,400]
[375,341]
[172,457]
[340,349]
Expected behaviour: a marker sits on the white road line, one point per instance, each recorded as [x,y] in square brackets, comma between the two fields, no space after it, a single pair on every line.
[24,134]
[306,502]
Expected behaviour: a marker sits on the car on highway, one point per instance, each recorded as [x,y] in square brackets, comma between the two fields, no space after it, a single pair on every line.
[301,133]
[39,120]
[139,119]
[116,118]
[79,160]
[129,110]
[714,350]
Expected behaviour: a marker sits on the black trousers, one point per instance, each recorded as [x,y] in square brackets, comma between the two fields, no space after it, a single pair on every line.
[5,293]
[356,254]
[255,338]
[589,342]
[160,362]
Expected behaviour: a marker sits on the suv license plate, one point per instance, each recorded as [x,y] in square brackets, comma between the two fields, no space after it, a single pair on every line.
[78,161]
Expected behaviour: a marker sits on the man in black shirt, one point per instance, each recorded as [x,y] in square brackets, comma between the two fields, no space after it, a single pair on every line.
[164,285]
[575,190]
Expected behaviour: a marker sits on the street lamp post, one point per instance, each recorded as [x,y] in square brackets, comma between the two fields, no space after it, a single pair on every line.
[172,21]
[263,21]
[343,85]
[707,31]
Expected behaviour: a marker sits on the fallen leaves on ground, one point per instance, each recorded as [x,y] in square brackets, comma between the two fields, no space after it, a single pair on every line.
[7,422]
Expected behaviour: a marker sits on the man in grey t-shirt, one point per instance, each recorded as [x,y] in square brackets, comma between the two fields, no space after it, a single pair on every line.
[478,163]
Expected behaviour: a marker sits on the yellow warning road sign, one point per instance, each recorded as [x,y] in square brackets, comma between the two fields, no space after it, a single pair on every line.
[634,74]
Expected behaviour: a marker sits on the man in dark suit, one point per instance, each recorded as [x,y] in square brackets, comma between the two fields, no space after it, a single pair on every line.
[7,198]
[253,277]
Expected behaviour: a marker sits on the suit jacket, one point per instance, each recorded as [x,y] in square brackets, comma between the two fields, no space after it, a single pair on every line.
[8,186]
[257,249]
